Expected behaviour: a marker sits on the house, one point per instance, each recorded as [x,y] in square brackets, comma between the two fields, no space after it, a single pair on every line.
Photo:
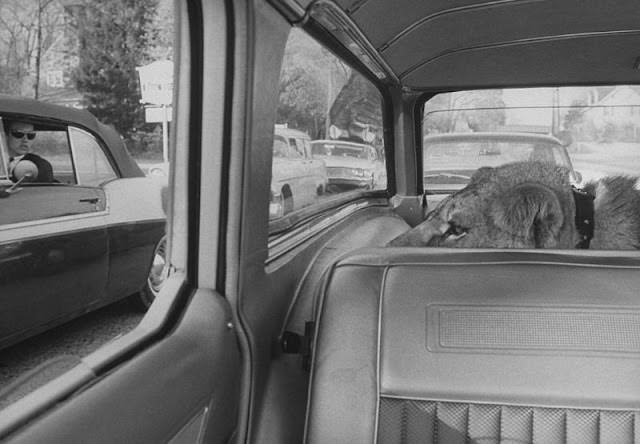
[615,116]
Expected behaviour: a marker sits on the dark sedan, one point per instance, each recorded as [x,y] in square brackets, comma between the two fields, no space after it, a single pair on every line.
[87,233]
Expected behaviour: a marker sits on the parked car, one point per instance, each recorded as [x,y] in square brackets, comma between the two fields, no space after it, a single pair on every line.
[297,179]
[350,164]
[320,332]
[94,235]
[450,159]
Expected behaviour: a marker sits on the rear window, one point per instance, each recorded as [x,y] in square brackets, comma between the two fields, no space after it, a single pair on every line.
[534,167]
[594,130]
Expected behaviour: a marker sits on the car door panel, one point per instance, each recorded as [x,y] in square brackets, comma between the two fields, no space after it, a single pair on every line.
[53,257]
[131,249]
[47,279]
[37,203]
[135,224]
[170,392]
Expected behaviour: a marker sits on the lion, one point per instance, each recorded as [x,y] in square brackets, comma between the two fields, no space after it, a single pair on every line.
[532,205]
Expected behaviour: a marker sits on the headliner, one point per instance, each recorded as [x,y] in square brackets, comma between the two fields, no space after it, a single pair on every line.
[457,44]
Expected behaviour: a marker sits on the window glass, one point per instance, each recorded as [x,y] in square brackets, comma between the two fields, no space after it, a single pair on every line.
[323,102]
[36,144]
[81,226]
[586,137]
[92,166]
[4,158]
[54,146]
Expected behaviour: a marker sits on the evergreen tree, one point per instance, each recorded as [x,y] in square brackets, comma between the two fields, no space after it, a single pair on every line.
[114,38]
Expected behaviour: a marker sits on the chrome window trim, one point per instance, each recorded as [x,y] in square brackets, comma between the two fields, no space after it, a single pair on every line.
[281,244]
[6,229]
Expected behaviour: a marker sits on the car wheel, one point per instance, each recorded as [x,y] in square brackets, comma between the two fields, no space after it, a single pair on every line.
[288,200]
[156,278]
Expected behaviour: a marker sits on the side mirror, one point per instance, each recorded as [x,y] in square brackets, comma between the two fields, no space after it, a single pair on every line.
[23,171]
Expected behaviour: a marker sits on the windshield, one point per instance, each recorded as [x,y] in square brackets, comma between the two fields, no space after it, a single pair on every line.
[457,159]
[337,150]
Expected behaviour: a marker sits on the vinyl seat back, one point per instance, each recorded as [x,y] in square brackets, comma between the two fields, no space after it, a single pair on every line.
[429,345]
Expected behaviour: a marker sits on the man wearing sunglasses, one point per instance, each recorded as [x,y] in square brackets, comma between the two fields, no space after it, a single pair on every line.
[20,137]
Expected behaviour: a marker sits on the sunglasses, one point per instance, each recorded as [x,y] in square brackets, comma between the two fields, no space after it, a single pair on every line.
[20,135]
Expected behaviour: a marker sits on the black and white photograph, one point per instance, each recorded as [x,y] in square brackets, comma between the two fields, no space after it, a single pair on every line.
[320,221]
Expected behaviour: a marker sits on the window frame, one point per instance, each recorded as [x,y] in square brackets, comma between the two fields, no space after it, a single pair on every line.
[99,146]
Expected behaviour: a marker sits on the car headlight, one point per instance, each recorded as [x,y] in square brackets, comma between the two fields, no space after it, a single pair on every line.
[276,205]
[157,172]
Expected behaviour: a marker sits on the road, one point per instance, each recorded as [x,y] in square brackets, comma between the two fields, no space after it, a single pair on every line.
[78,338]
[596,160]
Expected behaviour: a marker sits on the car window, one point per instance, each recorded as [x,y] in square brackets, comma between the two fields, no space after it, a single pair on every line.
[591,130]
[299,146]
[587,138]
[281,148]
[75,156]
[54,146]
[324,100]
[85,109]
[307,149]
[92,166]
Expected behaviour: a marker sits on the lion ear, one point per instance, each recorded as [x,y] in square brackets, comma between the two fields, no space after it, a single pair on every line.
[531,213]
[482,173]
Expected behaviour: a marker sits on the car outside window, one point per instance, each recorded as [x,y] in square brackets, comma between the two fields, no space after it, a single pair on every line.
[324,100]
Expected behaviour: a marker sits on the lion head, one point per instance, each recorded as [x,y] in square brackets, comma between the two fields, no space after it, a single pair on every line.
[518,205]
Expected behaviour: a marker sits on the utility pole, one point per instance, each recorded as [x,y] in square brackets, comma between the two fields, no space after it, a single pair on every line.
[555,117]
[327,122]
[36,86]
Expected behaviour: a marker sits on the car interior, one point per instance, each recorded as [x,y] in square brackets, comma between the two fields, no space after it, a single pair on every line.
[309,328]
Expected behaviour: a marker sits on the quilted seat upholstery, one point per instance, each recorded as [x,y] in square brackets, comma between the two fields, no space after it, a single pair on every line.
[406,420]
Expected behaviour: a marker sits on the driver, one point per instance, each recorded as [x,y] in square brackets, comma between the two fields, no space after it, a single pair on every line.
[20,137]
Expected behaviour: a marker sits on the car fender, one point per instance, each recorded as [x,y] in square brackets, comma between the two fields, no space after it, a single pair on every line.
[135,199]
[135,223]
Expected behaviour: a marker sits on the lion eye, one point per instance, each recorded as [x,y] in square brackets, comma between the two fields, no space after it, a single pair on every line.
[455,231]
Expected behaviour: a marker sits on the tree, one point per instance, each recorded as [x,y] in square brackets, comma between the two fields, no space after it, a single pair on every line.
[114,38]
[309,83]
[575,115]
[302,100]
[28,29]
[481,110]
[162,35]
[358,102]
